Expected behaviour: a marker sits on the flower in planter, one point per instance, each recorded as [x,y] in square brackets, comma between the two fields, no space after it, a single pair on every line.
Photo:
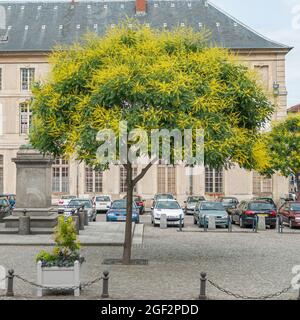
[66,251]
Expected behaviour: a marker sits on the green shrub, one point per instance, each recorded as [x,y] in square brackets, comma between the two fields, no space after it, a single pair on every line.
[66,250]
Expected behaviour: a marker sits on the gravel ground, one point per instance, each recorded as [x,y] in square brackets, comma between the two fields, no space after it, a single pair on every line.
[243,262]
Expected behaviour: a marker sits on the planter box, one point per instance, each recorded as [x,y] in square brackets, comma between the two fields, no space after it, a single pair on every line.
[58,277]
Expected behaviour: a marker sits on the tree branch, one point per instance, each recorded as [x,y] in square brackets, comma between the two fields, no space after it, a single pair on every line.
[142,174]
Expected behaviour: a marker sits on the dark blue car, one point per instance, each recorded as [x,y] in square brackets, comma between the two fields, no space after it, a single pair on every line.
[117,212]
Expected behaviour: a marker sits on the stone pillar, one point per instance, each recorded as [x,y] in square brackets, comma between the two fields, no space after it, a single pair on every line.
[33,191]
[34,174]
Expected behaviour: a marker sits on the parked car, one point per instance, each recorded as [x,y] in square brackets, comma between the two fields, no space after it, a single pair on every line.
[11,198]
[171,209]
[229,203]
[102,203]
[268,199]
[77,203]
[162,196]
[63,202]
[139,201]
[290,213]
[206,209]
[117,212]
[247,211]
[5,208]
[190,204]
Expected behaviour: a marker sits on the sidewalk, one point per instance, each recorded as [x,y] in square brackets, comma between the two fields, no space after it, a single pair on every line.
[95,234]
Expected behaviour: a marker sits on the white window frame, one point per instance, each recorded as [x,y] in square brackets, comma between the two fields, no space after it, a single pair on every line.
[63,168]
[27,79]
[96,179]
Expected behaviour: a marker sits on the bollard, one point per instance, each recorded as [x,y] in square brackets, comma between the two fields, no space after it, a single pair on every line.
[180,223]
[105,285]
[81,219]
[229,223]
[205,225]
[24,224]
[280,224]
[256,224]
[10,283]
[86,217]
[203,279]
[76,221]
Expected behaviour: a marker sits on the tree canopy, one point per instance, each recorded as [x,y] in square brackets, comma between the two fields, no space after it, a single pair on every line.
[151,79]
[283,144]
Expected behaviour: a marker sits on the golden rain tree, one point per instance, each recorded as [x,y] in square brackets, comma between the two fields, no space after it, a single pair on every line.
[152,80]
[283,145]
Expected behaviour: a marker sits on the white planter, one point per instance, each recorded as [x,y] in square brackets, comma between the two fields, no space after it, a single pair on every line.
[58,277]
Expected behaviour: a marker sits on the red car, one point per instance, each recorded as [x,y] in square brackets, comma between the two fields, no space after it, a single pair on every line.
[290,213]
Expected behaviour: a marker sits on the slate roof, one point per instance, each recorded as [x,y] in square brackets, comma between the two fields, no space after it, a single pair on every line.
[294,109]
[38,26]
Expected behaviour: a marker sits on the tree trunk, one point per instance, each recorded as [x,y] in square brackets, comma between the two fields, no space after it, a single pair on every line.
[128,226]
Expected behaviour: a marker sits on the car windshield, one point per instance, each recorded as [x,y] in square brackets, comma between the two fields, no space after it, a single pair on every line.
[168,205]
[121,204]
[103,198]
[295,206]
[79,203]
[210,206]
[228,201]
[256,206]
[195,199]
[164,196]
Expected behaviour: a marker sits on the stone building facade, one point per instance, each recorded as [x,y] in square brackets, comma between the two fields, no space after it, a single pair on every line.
[32,30]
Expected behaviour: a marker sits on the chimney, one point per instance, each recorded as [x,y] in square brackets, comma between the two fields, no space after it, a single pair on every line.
[140,7]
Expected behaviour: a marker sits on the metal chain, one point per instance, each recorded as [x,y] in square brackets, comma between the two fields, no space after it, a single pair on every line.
[243,297]
[81,286]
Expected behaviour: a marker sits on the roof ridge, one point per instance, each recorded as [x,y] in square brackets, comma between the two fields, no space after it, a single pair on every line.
[246,26]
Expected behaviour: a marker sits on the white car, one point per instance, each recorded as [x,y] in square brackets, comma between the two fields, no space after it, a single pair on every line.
[102,203]
[63,202]
[171,209]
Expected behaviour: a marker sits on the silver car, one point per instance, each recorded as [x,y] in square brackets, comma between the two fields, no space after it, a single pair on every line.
[76,204]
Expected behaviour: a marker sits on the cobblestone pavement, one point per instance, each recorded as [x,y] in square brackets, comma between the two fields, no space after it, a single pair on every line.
[243,262]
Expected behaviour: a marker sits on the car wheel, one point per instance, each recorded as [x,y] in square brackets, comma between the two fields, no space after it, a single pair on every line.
[291,224]
[241,223]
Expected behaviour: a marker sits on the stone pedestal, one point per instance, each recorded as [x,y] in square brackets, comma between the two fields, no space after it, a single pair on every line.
[24,225]
[34,189]
[163,221]
[211,223]
[261,223]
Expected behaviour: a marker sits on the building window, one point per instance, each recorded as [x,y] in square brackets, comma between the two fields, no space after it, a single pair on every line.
[25,117]
[1,174]
[261,184]
[93,180]
[123,184]
[60,176]
[214,180]
[27,78]
[0,78]
[166,179]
